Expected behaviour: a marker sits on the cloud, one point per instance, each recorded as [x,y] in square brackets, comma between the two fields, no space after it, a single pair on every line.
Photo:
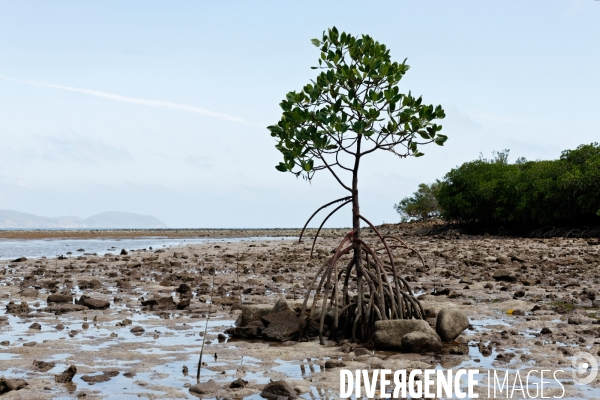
[23,184]
[198,161]
[74,148]
[459,120]
[135,100]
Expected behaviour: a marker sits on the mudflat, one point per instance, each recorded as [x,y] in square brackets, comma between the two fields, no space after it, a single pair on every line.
[169,233]
[138,329]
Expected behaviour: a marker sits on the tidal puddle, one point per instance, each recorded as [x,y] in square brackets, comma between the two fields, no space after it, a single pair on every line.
[35,248]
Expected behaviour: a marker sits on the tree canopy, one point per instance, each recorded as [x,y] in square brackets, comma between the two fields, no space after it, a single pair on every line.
[421,205]
[353,107]
[525,194]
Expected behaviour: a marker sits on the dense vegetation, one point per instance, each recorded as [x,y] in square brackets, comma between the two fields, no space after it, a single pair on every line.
[496,194]
[422,205]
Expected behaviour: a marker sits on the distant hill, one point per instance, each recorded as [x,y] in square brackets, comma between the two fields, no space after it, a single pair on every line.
[10,219]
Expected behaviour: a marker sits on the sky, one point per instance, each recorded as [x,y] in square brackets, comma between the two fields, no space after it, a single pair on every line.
[161,108]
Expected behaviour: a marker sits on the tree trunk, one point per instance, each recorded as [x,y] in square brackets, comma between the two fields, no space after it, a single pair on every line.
[356,211]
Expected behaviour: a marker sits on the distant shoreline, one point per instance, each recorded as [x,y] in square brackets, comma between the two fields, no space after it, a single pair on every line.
[191,233]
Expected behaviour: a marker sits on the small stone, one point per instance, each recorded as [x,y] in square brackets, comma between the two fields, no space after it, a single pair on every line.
[93,304]
[59,298]
[29,292]
[450,323]
[8,385]
[18,309]
[238,384]
[137,330]
[504,275]
[361,351]
[330,364]
[66,376]
[278,389]
[205,387]
[43,365]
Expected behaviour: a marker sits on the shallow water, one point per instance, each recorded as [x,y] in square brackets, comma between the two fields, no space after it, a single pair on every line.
[35,248]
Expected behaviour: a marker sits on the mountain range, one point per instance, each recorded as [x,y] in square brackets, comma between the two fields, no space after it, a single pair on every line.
[10,219]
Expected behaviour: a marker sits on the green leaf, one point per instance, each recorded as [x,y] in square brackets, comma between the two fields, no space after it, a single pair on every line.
[316,42]
[423,134]
[281,167]
[440,139]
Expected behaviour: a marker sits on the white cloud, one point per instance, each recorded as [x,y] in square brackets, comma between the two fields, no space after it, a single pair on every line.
[135,100]
[23,184]
[198,161]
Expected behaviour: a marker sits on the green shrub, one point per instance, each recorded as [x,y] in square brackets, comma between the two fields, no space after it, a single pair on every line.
[422,205]
[526,194]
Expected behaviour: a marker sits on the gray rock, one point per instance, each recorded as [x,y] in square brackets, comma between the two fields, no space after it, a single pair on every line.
[61,308]
[281,305]
[18,309]
[160,303]
[330,364]
[576,321]
[95,283]
[388,334]
[59,298]
[504,260]
[281,332]
[282,317]
[104,377]
[504,275]
[184,288]
[361,351]
[254,312]
[421,342]
[137,330]
[94,304]
[238,384]
[205,387]
[29,292]
[278,389]
[450,323]
[8,385]
[124,285]
[43,365]
[66,376]
[246,332]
